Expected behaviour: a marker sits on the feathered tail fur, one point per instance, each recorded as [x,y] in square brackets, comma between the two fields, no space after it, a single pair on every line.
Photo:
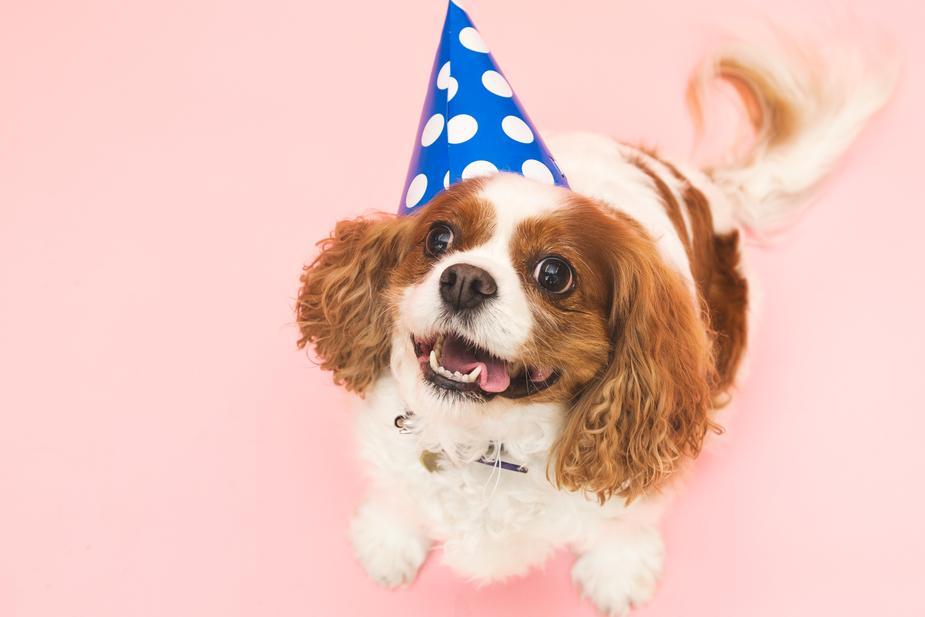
[806,107]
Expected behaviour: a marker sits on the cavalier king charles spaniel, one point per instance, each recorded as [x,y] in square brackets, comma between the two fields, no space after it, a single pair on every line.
[538,365]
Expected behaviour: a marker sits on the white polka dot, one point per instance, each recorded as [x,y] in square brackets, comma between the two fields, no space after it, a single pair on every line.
[459,4]
[461,128]
[432,130]
[517,129]
[416,190]
[453,86]
[478,168]
[535,170]
[443,76]
[446,180]
[472,40]
[495,83]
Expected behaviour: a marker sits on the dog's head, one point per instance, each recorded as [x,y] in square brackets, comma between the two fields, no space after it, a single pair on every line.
[504,292]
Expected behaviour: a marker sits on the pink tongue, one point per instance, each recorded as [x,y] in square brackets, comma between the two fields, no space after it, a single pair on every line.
[457,356]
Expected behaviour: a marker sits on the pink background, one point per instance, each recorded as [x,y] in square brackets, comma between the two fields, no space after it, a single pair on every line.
[165,168]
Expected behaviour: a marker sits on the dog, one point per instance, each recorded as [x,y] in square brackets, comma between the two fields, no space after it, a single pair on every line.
[538,365]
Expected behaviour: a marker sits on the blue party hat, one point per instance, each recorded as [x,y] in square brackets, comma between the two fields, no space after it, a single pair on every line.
[472,123]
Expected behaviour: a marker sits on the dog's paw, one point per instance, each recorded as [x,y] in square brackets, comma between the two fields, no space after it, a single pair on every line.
[619,576]
[390,550]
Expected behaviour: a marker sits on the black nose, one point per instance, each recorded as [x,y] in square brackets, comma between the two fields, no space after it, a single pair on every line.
[464,287]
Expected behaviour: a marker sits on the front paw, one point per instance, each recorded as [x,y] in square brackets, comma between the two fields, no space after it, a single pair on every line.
[617,576]
[389,549]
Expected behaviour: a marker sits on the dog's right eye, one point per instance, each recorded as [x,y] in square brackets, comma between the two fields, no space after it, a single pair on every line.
[439,239]
[554,274]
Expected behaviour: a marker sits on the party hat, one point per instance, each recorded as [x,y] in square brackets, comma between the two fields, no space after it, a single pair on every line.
[472,123]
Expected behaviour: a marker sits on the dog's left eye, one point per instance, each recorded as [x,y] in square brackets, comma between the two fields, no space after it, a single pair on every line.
[439,239]
[554,274]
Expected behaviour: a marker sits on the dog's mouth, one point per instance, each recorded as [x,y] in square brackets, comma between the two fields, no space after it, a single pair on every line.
[452,363]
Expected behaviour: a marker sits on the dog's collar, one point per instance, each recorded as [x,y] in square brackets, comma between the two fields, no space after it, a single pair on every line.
[430,459]
[502,464]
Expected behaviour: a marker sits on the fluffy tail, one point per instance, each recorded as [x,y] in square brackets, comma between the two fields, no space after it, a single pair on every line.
[805,108]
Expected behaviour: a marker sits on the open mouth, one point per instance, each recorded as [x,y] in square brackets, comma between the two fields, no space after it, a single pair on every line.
[450,362]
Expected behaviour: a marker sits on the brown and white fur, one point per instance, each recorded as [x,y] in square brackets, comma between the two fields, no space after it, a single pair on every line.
[645,343]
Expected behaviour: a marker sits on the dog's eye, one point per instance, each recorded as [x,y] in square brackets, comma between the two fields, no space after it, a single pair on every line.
[554,274]
[439,239]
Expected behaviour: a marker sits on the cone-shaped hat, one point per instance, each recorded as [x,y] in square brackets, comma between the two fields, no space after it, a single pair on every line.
[472,123]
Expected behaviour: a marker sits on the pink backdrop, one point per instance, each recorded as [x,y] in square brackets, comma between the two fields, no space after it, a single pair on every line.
[164,450]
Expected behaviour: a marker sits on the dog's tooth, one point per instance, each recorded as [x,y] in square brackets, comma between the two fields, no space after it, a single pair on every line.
[433,361]
[474,373]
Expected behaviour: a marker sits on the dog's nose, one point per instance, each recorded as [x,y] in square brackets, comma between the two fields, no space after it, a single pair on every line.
[463,286]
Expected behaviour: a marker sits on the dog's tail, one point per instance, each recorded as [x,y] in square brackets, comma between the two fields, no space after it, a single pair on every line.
[805,108]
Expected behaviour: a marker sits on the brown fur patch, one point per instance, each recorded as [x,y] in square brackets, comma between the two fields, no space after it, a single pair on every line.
[471,218]
[728,300]
[721,285]
[570,330]
[340,309]
[344,308]
[635,355]
[715,265]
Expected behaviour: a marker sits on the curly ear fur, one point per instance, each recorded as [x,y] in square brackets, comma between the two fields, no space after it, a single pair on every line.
[341,309]
[648,410]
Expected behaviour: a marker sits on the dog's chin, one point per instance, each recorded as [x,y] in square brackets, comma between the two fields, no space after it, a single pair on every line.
[456,369]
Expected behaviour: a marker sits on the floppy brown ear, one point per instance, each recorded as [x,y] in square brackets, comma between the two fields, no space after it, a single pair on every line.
[648,410]
[341,310]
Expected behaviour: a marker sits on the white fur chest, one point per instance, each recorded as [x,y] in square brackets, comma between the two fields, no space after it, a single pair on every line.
[492,522]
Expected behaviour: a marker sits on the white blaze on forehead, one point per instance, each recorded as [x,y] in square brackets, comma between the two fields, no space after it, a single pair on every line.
[516,198]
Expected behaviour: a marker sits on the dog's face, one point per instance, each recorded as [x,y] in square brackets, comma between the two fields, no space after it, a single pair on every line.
[504,292]
[504,296]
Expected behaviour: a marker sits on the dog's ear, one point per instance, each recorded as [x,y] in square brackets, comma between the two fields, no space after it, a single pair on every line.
[341,307]
[648,409]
